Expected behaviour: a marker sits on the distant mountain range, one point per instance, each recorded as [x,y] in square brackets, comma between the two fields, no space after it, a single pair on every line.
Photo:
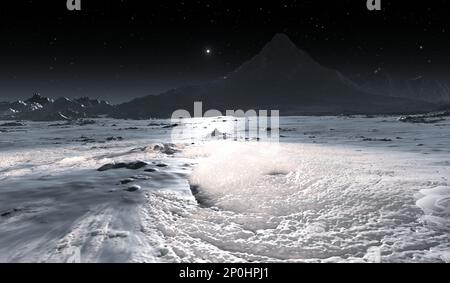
[40,108]
[418,88]
[281,77]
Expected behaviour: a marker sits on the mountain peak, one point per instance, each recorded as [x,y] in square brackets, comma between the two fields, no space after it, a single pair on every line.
[37,98]
[279,58]
[280,43]
[281,39]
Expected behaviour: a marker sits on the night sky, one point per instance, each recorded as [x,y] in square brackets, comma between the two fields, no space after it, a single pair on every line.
[117,50]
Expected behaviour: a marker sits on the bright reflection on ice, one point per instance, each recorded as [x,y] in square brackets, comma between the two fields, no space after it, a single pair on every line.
[193,130]
[237,125]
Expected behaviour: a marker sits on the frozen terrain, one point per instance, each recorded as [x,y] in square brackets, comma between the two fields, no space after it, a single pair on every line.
[336,189]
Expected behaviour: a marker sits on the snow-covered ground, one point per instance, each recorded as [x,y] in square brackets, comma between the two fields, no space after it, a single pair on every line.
[336,189]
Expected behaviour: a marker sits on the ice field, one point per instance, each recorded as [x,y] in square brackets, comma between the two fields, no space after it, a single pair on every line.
[335,189]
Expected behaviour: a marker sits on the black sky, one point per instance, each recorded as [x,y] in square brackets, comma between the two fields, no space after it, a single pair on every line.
[122,49]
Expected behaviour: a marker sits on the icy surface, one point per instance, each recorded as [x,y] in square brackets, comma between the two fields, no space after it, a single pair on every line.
[336,189]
